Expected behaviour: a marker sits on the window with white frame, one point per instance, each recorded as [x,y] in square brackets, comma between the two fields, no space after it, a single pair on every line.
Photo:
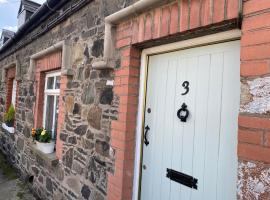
[51,102]
[14,91]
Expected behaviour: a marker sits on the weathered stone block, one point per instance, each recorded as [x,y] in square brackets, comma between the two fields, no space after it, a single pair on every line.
[102,148]
[106,96]
[94,117]
[96,173]
[77,167]
[87,144]
[68,158]
[28,102]
[74,184]
[253,181]
[69,103]
[255,96]
[72,140]
[77,109]
[49,185]
[20,144]
[88,94]
[85,191]
[26,131]
[81,130]
[89,135]
[97,48]
[63,137]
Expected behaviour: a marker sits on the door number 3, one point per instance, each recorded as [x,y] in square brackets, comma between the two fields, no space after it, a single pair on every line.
[186,87]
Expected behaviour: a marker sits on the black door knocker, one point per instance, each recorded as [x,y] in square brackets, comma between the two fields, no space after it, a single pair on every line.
[183,113]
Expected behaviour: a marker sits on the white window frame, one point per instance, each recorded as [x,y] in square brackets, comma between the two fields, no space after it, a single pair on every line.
[47,92]
[14,92]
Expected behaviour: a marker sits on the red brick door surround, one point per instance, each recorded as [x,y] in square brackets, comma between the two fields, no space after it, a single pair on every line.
[159,25]
[10,76]
[47,63]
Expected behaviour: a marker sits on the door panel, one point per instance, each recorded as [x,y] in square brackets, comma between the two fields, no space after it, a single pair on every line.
[205,146]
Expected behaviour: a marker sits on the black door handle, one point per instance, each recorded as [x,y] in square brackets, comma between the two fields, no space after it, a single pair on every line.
[146,142]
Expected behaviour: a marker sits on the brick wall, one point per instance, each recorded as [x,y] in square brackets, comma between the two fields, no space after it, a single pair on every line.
[175,19]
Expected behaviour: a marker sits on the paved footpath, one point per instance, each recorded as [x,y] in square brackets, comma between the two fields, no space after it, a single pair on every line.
[11,188]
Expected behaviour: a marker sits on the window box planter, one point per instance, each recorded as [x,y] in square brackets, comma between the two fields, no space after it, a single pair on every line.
[7,128]
[46,148]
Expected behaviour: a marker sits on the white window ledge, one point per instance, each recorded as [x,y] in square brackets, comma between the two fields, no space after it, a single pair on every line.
[9,129]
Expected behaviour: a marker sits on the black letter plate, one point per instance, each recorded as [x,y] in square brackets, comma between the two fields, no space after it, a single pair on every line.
[183,179]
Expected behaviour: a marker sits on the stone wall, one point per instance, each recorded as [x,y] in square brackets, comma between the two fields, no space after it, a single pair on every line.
[90,106]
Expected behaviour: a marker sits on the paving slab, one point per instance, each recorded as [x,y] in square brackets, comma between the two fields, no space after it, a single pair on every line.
[11,187]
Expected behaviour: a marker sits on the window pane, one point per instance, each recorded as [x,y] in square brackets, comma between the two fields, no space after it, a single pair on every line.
[50,82]
[49,113]
[14,91]
[56,117]
[57,82]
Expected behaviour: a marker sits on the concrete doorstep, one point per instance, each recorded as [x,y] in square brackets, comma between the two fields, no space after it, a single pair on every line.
[11,188]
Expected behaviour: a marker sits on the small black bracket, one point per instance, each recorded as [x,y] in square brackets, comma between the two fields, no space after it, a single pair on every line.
[146,142]
[183,179]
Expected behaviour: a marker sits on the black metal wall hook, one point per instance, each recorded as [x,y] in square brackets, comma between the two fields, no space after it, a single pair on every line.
[183,113]
[146,142]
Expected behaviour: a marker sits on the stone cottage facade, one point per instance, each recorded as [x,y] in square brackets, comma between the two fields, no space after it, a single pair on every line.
[98,49]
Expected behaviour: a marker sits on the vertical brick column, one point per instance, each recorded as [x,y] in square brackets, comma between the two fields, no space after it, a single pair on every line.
[124,129]
[61,116]
[40,84]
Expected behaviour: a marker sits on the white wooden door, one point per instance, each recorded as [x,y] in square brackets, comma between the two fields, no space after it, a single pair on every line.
[204,147]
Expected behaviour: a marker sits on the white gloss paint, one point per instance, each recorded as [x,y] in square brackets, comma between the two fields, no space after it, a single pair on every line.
[205,146]
[9,129]
[14,92]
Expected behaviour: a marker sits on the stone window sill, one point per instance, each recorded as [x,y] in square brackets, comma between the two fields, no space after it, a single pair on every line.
[8,129]
[42,158]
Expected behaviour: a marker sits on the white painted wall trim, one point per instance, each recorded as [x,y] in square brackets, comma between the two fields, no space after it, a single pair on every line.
[108,60]
[66,58]
[200,41]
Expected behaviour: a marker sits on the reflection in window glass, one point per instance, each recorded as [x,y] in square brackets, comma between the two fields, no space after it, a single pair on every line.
[57,82]
[56,117]
[49,112]
[14,91]
[50,82]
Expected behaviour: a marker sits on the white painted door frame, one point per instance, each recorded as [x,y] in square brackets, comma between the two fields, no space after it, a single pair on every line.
[192,43]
